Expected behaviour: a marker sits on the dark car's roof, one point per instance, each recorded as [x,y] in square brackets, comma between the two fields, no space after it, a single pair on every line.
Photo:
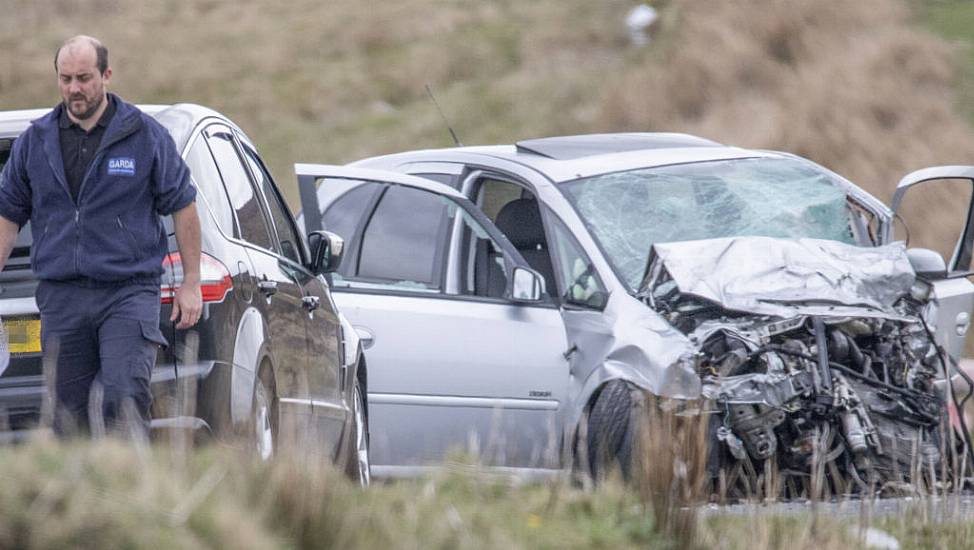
[179,119]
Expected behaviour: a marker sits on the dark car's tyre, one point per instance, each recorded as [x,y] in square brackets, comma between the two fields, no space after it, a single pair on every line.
[357,463]
[612,430]
[263,425]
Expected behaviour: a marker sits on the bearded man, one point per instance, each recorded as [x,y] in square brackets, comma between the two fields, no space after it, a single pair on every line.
[94,177]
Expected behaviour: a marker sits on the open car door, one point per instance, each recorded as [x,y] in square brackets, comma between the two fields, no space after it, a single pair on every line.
[461,347]
[953,293]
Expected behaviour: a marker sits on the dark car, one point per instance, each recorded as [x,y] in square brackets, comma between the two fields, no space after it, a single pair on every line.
[270,357]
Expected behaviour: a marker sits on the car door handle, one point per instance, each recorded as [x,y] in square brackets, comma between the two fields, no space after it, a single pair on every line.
[365,336]
[572,350]
[311,303]
[268,288]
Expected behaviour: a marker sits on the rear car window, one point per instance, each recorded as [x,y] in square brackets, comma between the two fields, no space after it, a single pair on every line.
[4,151]
[253,225]
[204,171]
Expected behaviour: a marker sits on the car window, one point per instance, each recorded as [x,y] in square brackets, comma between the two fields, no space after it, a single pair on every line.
[576,274]
[207,178]
[345,213]
[480,260]
[401,247]
[253,225]
[493,195]
[288,237]
[5,145]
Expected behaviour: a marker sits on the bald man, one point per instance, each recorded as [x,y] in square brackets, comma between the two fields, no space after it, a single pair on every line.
[94,177]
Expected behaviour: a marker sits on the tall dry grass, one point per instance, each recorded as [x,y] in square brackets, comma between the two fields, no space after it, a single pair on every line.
[857,86]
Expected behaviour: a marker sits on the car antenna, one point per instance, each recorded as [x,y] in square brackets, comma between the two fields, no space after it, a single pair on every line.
[453,134]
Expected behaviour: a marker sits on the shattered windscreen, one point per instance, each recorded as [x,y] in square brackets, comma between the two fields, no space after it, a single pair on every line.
[627,212]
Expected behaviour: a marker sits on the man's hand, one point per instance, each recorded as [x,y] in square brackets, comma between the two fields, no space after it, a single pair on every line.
[8,236]
[187,305]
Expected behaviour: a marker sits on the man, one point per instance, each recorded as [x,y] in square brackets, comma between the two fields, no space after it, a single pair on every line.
[93,177]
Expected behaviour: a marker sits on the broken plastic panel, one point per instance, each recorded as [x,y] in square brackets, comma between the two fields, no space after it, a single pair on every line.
[627,212]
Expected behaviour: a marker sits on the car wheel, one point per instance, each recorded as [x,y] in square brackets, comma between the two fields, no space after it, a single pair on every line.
[358,466]
[612,430]
[263,429]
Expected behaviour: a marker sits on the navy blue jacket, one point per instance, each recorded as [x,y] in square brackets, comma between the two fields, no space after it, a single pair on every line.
[115,231]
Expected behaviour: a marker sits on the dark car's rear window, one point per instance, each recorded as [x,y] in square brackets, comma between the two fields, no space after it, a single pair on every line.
[24,237]
[4,151]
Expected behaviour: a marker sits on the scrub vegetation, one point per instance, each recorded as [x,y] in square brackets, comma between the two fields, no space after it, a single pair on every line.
[112,495]
[870,89]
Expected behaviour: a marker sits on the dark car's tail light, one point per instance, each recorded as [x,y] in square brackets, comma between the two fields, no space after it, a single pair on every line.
[215,280]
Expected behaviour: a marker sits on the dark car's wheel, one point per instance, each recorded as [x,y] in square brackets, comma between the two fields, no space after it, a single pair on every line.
[612,429]
[263,432]
[357,465]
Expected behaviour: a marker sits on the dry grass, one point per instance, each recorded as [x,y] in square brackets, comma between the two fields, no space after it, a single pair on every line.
[856,86]
[110,495]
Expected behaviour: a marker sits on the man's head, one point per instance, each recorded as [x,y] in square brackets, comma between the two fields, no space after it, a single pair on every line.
[83,74]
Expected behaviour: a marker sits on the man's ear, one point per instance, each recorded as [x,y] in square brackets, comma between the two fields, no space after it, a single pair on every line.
[107,75]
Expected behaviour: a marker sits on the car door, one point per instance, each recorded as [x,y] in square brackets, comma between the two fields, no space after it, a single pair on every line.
[317,313]
[953,292]
[453,363]
[279,296]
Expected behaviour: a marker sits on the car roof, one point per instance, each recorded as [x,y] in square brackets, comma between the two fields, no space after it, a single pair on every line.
[567,158]
[573,147]
[179,119]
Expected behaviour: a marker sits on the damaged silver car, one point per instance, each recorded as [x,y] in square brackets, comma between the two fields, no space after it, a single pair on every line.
[757,283]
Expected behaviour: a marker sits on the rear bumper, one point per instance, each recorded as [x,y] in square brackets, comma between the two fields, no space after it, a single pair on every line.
[182,402]
[21,401]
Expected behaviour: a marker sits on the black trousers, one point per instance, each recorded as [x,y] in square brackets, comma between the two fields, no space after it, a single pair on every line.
[102,339]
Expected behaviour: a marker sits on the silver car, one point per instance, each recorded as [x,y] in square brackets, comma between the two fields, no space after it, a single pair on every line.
[509,295]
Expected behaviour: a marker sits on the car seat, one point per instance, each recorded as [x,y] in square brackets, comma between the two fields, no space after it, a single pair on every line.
[520,221]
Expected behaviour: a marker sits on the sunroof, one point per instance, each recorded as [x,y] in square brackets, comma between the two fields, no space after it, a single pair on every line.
[573,147]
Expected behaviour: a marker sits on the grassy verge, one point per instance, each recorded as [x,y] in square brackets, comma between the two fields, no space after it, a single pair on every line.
[108,495]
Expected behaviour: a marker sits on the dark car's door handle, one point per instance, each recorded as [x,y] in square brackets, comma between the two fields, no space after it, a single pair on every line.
[311,303]
[268,288]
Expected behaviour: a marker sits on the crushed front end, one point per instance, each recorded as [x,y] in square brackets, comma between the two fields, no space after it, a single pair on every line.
[817,366]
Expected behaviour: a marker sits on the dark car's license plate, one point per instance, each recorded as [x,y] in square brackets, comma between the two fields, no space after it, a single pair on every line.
[23,334]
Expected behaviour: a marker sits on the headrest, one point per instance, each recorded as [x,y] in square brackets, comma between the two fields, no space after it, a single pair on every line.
[520,221]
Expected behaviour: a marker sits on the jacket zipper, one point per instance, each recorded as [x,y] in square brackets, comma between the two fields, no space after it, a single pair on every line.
[77,202]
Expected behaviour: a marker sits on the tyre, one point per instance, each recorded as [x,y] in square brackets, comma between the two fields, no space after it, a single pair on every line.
[357,464]
[611,433]
[263,425]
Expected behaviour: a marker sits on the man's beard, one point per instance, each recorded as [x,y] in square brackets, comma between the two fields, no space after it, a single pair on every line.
[90,108]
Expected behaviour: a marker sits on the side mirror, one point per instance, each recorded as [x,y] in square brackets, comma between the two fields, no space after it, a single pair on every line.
[326,251]
[527,285]
[927,263]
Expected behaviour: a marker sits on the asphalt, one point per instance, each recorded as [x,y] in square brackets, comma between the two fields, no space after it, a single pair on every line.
[938,509]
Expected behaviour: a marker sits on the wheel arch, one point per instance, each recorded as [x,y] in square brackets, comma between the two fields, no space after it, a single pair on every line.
[250,353]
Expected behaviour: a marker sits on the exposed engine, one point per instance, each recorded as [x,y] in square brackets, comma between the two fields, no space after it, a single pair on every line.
[818,405]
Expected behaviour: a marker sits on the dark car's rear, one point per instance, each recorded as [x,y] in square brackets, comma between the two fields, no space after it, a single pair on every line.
[21,385]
